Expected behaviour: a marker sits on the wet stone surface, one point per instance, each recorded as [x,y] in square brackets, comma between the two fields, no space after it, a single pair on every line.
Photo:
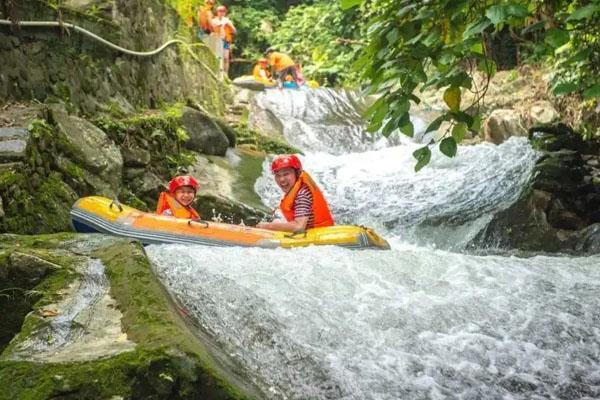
[13,143]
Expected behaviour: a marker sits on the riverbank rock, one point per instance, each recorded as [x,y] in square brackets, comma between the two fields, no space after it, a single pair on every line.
[85,317]
[205,135]
[502,124]
[89,148]
[558,210]
[13,143]
[541,113]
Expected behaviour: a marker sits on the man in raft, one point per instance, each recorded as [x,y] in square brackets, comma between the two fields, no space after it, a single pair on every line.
[178,201]
[303,204]
[282,65]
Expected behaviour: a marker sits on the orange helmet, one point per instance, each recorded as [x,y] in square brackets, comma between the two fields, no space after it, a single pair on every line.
[286,161]
[184,180]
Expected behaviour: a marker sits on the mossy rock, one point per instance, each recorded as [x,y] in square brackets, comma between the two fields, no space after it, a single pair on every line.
[169,357]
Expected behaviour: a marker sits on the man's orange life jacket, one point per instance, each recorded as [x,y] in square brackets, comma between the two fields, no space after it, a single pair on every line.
[280,61]
[261,74]
[168,202]
[320,208]
[205,17]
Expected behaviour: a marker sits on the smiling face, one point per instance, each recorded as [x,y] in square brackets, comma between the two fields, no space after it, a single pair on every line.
[285,178]
[184,195]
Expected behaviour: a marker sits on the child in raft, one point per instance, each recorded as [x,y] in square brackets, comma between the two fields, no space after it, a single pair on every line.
[178,201]
[303,204]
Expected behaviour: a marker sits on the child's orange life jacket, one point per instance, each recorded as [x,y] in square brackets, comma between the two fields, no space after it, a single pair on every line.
[168,202]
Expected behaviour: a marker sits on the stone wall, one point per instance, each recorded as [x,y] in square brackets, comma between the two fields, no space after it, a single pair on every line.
[42,63]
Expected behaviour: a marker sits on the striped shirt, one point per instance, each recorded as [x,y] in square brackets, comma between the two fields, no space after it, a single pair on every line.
[303,206]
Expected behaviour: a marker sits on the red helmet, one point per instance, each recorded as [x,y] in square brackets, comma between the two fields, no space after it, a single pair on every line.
[286,161]
[184,180]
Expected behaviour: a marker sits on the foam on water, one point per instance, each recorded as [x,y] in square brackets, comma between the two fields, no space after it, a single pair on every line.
[327,322]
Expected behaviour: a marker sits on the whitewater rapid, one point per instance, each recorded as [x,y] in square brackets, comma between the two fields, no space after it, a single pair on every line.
[421,321]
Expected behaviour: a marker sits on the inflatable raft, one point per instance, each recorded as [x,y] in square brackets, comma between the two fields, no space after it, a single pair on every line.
[252,83]
[99,214]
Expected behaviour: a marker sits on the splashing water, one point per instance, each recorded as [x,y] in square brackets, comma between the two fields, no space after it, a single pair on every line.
[406,323]
[414,322]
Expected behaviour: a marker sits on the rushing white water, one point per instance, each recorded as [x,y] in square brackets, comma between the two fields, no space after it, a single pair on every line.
[407,323]
[322,120]
[415,322]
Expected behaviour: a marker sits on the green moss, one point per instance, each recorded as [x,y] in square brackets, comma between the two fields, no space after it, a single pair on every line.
[35,208]
[167,362]
[149,317]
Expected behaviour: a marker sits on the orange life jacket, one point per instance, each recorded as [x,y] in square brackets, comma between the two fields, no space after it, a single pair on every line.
[280,61]
[225,31]
[205,17]
[320,208]
[261,74]
[168,202]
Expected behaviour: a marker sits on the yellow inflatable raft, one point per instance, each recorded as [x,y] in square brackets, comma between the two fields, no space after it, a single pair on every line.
[252,83]
[99,214]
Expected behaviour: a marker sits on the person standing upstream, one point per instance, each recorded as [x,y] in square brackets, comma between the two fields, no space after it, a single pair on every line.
[225,29]
[205,17]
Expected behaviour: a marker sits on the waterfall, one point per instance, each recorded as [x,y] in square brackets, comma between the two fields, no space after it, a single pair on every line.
[421,321]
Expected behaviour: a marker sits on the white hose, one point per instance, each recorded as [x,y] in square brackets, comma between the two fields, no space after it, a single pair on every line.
[93,36]
[107,43]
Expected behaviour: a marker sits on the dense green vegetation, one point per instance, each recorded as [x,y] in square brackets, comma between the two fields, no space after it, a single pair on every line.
[413,45]
[399,48]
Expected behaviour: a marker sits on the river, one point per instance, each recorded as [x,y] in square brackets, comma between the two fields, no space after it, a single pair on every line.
[425,320]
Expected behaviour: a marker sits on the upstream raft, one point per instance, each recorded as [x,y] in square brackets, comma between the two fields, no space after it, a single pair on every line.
[100,214]
[252,83]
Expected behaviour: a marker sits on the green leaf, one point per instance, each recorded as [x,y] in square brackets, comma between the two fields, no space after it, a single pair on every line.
[477,48]
[556,37]
[452,98]
[564,88]
[475,125]
[476,28]
[592,92]
[408,129]
[462,116]
[584,12]
[448,146]
[487,66]
[459,131]
[347,4]
[497,14]
[405,10]
[436,123]
[423,156]
[378,117]
[533,27]
[516,10]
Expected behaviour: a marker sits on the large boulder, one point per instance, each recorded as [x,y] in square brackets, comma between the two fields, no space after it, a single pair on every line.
[13,144]
[502,124]
[264,121]
[90,149]
[206,136]
[541,113]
